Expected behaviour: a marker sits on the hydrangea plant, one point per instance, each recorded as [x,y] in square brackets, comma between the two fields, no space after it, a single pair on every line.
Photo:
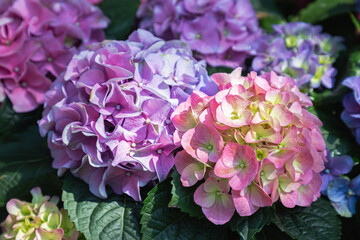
[108,117]
[252,144]
[301,51]
[351,102]
[219,32]
[37,40]
[39,219]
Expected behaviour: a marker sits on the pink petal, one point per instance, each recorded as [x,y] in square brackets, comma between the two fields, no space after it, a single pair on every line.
[222,211]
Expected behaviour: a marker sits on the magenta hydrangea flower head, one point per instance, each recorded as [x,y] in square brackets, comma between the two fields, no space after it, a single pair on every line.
[108,116]
[40,219]
[301,51]
[253,143]
[231,27]
[37,41]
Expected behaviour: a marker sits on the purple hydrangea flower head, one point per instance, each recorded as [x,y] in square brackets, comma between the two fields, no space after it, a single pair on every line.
[343,194]
[351,102]
[299,50]
[231,26]
[334,167]
[107,116]
[37,41]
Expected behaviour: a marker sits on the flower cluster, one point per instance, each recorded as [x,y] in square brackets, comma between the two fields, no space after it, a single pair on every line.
[342,192]
[37,41]
[107,117]
[301,51]
[351,102]
[255,138]
[219,32]
[40,219]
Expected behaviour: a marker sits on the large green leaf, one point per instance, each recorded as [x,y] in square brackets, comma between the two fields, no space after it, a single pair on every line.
[322,9]
[161,222]
[11,122]
[25,163]
[122,16]
[183,197]
[247,227]
[116,217]
[317,222]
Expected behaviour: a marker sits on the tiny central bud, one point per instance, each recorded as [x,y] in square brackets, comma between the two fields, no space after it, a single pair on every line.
[159,151]
[118,107]
[7,42]
[198,36]
[133,145]
[350,192]
[16,69]
[242,165]
[176,78]
[262,173]
[128,174]
[141,84]
[167,121]
[147,121]
[209,147]
[24,84]
[49,59]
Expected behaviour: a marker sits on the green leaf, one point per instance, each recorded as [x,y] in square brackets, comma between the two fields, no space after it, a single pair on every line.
[26,163]
[247,227]
[355,21]
[161,222]
[267,13]
[11,122]
[338,137]
[271,232]
[354,63]
[317,222]
[183,197]
[212,70]
[265,6]
[116,217]
[322,9]
[122,15]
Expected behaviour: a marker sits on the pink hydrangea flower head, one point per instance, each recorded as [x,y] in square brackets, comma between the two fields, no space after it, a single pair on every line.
[40,219]
[268,145]
[37,40]
[231,27]
[108,116]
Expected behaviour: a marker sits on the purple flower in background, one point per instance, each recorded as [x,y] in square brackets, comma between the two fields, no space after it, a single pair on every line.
[37,40]
[219,32]
[107,116]
[344,194]
[334,167]
[299,50]
[351,102]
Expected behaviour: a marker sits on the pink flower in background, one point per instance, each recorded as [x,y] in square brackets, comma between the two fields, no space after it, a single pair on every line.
[231,27]
[256,135]
[39,219]
[37,40]
[108,116]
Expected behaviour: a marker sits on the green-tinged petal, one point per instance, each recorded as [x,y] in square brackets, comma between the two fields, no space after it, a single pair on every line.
[70,232]
[47,208]
[56,234]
